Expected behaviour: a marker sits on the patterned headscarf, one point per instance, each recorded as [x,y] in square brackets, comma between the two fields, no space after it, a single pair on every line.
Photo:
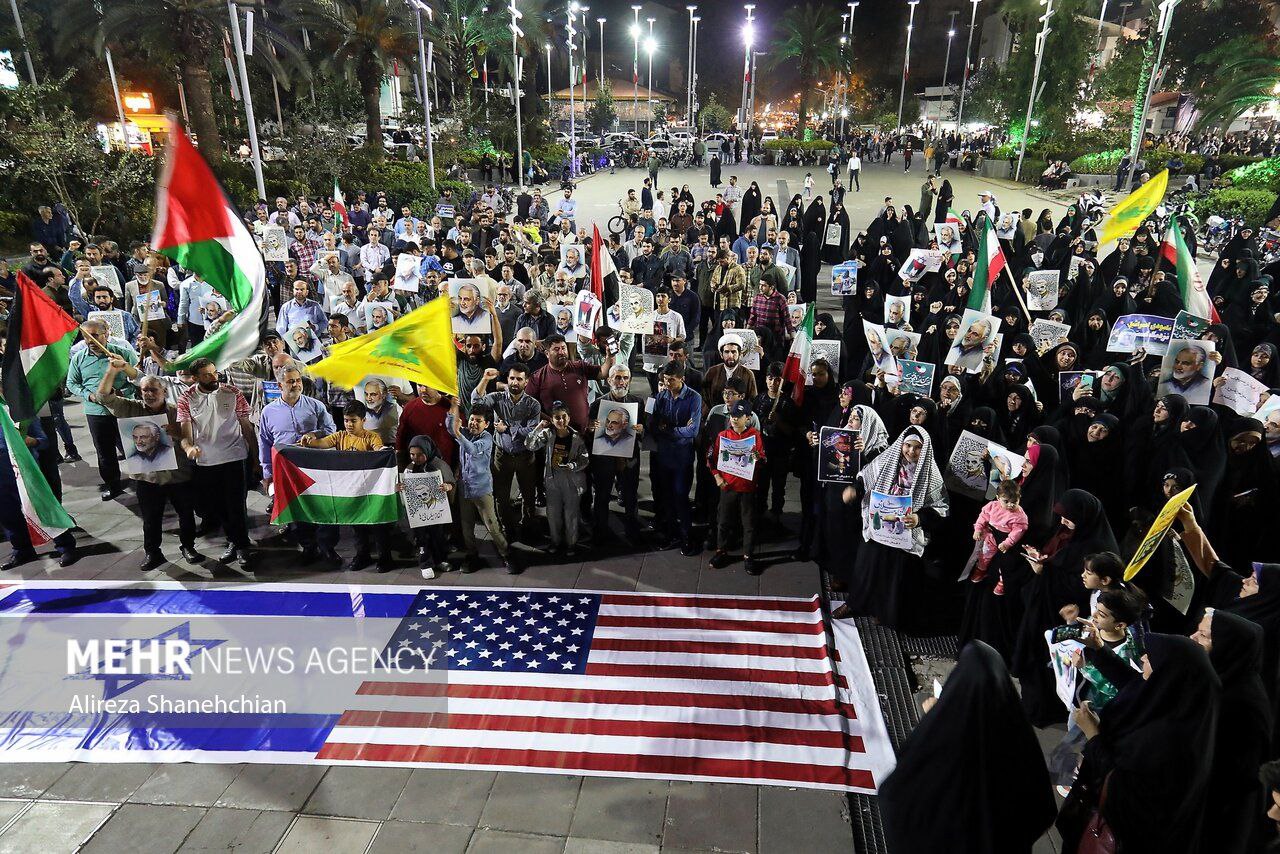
[874,435]
[927,480]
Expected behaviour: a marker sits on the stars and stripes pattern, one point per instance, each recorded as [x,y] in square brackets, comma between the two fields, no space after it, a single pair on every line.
[723,688]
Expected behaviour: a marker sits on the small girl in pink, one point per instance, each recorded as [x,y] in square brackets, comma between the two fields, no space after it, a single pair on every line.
[1002,516]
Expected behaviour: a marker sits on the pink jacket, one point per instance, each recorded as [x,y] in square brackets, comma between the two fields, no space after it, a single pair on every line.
[994,515]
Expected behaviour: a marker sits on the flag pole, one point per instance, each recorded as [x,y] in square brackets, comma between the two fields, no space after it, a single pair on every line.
[1014,284]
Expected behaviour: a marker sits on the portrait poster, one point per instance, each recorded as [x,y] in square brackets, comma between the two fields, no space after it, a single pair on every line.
[948,237]
[148,448]
[844,278]
[897,310]
[152,306]
[1074,265]
[635,310]
[917,377]
[881,357]
[1048,333]
[408,272]
[977,333]
[304,344]
[1069,380]
[425,501]
[1188,327]
[1042,290]
[107,274]
[750,348]
[562,317]
[1264,410]
[114,321]
[274,244]
[615,434]
[789,273]
[737,457]
[1187,370]
[654,355]
[1150,332]
[902,344]
[827,351]
[797,311]
[966,471]
[1004,461]
[388,381]
[838,459]
[586,315]
[1061,656]
[834,233]
[1239,391]
[887,525]
[379,314]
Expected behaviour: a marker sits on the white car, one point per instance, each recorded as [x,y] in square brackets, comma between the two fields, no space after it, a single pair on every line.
[768,136]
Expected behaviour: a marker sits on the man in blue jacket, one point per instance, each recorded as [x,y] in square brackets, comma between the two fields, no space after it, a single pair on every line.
[677,414]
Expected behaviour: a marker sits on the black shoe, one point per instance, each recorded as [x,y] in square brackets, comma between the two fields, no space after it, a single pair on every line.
[691,550]
[359,562]
[752,566]
[307,554]
[72,457]
[106,493]
[512,568]
[470,565]
[720,560]
[424,557]
[66,557]
[17,559]
[154,560]
[190,555]
[242,558]
[331,555]
[385,565]
[229,555]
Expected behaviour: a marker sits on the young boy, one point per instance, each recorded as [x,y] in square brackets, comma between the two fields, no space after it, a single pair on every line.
[475,496]
[737,494]
[566,477]
[356,438]
[432,540]
[1102,571]
[808,187]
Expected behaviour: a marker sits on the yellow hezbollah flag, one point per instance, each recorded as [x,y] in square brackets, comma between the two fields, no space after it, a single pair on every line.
[418,347]
[1159,528]
[1137,206]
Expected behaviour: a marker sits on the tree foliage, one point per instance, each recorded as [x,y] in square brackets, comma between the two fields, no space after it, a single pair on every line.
[807,39]
[601,114]
[714,116]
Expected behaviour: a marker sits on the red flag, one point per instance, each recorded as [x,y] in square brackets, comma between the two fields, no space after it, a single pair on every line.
[597,276]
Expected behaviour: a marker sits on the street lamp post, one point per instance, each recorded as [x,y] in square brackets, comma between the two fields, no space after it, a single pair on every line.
[424,64]
[946,65]
[22,37]
[238,42]
[688,89]
[573,134]
[906,59]
[1041,38]
[844,41]
[635,69]
[601,21]
[1163,25]
[586,30]
[848,77]
[516,33]
[649,46]
[964,81]
[1097,59]
[748,36]
[693,89]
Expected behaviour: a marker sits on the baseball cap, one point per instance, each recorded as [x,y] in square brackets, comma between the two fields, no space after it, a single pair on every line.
[739,409]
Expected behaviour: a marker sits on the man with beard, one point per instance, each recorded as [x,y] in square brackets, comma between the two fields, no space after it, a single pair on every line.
[473,361]
[605,471]
[1186,378]
[515,415]
[730,366]
[216,436]
[565,380]
[525,352]
[969,349]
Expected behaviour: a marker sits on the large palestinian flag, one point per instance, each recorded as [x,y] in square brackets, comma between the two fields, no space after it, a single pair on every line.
[37,351]
[333,487]
[198,228]
[45,516]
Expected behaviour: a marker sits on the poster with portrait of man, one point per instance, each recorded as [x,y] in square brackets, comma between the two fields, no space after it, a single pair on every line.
[274,244]
[902,344]
[635,310]
[304,344]
[425,501]
[1186,369]
[882,358]
[844,278]
[897,310]
[113,320]
[148,448]
[469,315]
[1042,290]
[827,351]
[977,333]
[615,434]
[750,348]
[838,458]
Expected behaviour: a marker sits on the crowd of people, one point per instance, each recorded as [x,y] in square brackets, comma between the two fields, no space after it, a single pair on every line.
[1177,687]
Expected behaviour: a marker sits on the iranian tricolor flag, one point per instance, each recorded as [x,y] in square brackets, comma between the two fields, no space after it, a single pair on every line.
[341,221]
[198,228]
[990,265]
[37,350]
[45,515]
[797,366]
[333,487]
[1194,295]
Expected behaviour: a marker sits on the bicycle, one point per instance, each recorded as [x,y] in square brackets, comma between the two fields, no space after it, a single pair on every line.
[618,222]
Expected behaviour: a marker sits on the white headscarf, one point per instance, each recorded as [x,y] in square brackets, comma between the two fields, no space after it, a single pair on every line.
[927,489]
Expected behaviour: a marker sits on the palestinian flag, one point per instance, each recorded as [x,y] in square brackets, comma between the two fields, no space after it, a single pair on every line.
[797,366]
[37,350]
[340,219]
[46,517]
[603,272]
[198,228]
[1194,295]
[327,487]
[990,265]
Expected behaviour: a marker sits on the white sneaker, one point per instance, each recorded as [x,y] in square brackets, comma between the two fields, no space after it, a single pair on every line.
[427,573]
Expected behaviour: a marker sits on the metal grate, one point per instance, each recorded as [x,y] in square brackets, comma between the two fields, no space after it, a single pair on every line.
[935,647]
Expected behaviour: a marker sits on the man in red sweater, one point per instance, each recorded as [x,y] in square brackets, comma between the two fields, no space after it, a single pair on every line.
[734,459]
[424,416]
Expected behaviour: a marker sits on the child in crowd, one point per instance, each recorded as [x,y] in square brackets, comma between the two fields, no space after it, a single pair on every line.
[737,493]
[566,477]
[999,527]
[808,187]
[432,540]
[1102,571]
[475,496]
[356,438]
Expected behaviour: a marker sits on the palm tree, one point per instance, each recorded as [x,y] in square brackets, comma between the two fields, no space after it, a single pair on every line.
[808,38]
[465,31]
[360,38]
[1244,84]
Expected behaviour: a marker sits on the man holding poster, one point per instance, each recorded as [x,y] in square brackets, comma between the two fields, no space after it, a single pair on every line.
[732,459]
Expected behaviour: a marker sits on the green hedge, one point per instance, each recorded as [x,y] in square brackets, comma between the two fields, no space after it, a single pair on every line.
[1250,204]
[1259,175]
[1234,161]
[785,143]
[1100,163]
[1008,151]
[1106,162]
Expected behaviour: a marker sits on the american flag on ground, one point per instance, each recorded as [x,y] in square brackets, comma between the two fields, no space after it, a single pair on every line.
[725,688]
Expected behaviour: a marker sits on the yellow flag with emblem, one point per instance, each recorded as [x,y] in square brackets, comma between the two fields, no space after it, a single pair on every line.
[1158,529]
[1137,206]
[418,347]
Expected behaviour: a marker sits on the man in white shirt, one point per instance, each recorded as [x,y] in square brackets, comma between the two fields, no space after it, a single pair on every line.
[855,168]
[330,277]
[282,216]
[567,209]
[373,255]
[192,294]
[347,303]
[668,326]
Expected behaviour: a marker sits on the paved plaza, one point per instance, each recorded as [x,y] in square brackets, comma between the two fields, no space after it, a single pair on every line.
[148,808]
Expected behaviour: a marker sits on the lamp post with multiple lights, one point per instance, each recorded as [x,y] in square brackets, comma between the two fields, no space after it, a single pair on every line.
[688,93]
[748,38]
[906,59]
[964,80]
[649,47]
[946,64]
[635,68]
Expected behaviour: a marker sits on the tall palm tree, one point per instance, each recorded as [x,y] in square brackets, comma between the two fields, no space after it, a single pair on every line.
[464,32]
[1244,84]
[359,39]
[807,40]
